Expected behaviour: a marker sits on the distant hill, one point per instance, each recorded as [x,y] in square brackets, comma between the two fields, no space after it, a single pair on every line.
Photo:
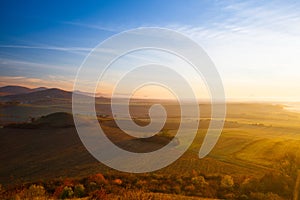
[54,120]
[47,96]
[41,95]
[14,90]
[39,89]
[58,120]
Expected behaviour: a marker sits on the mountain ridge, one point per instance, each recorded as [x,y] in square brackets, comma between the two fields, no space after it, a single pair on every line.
[40,95]
[16,89]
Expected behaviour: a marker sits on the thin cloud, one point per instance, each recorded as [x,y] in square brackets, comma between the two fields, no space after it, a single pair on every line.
[246,19]
[259,44]
[68,49]
[8,62]
[92,26]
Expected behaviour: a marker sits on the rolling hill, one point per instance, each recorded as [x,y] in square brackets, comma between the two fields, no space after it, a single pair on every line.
[14,90]
[47,96]
[255,137]
[41,96]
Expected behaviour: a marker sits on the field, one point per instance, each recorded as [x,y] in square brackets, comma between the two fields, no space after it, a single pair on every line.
[257,154]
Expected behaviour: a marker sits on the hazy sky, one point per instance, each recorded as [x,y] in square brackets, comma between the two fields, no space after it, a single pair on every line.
[255,45]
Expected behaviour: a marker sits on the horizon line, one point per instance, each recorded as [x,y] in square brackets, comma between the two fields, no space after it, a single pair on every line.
[202,100]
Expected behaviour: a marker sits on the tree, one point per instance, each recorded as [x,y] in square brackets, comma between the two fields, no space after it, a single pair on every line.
[227,182]
[199,181]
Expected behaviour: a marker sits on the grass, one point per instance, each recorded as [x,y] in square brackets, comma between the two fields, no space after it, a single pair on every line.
[254,139]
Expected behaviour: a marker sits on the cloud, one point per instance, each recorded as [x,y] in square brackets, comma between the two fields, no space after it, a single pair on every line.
[25,64]
[93,26]
[54,48]
[250,22]
[255,47]
[254,44]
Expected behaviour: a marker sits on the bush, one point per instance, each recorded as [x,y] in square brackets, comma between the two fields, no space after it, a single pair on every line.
[34,192]
[79,190]
[118,181]
[199,181]
[67,192]
[98,179]
[92,186]
[227,182]
[276,183]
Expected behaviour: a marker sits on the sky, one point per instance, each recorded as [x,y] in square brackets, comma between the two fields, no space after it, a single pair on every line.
[255,45]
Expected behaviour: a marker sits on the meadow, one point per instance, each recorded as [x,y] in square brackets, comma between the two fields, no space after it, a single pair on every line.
[256,157]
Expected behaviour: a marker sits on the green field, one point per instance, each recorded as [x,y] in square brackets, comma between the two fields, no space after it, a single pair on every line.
[258,149]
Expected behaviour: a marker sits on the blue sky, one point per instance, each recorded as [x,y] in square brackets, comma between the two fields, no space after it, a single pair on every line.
[255,44]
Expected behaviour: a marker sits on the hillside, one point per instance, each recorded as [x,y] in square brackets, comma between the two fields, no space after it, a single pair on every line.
[41,96]
[47,96]
[249,150]
[14,90]
[54,120]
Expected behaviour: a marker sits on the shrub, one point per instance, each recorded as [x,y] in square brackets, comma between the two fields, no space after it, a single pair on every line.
[98,179]
[58,191]
[276,183]
[67,192]
[34,192]
[92,186]
[199,181]
[118,181]
[227,182]
[79,190]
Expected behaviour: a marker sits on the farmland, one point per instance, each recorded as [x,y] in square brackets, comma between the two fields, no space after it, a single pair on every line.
[255,141]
